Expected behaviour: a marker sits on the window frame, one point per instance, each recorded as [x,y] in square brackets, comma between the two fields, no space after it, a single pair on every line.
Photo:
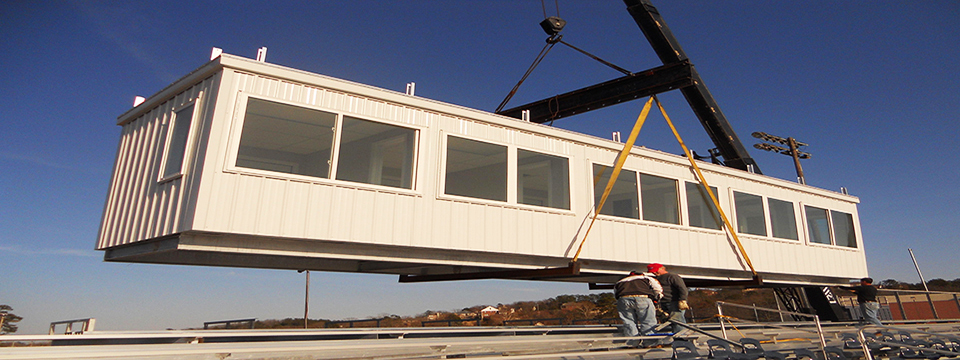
[516,177]
[685,210]
[170,124]
[677,198]
[797,219]
[832,232]
[237,137]
[806,227]
[852,229]
[594,194]
[338,145]
[239,119]
[763,207]
[511,184]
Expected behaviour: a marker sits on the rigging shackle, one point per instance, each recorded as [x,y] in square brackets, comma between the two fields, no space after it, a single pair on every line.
[552,25]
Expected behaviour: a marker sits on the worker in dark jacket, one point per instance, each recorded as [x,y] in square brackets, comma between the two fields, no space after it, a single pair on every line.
[674,300]
[867,297]
[635,295]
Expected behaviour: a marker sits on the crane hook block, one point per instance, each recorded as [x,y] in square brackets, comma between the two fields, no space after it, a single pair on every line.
[552,25]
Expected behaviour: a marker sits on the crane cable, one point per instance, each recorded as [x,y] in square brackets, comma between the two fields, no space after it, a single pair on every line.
[621,159]
[554,38]
[597,58]
[544,7]
[551,41]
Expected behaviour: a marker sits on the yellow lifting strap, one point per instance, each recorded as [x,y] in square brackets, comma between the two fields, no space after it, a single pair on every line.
[706,187]
[622,158]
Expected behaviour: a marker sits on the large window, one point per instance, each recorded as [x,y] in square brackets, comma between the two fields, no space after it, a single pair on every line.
[285,138]
[623,201]
[843,229]
[297,140]
[702,212]
[783,219]
[476,169]
[750,214]
[818,224]
[376,153]
[660,199]
[177,142]
[543,180]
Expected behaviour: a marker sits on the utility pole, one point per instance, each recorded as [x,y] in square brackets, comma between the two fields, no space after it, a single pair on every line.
[306,298]
[792,151]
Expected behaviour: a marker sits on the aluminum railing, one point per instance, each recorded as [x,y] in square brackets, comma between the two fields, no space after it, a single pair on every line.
[816,321]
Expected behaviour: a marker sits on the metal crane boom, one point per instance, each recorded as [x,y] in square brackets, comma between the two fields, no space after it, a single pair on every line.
[698,96]
[676,73]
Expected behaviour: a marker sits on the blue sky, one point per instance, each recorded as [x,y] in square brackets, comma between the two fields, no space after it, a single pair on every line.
[871,86]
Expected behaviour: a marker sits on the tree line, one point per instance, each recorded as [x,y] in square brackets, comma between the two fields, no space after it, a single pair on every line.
[603,306]
[569,308]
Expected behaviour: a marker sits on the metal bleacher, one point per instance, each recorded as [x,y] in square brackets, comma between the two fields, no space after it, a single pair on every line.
[739,339]
[728,339]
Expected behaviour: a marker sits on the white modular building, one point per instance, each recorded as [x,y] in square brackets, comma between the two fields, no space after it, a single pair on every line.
[244,163]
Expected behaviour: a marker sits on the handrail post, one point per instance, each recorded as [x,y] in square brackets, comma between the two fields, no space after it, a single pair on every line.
[932,307]
[723,329]
[863,344]
[903,313]
[823,341]
[956,300]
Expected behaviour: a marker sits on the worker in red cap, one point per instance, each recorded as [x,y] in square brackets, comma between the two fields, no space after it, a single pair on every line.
[674,299]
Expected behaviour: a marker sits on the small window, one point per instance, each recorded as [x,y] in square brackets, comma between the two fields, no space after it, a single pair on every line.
[660,199]
[818,224]
[843,229]
[476,169]
[543,180]
[177,142]
[783,220]
[375,153]
[702,212]
[750,215]
[285,138]
[623,200]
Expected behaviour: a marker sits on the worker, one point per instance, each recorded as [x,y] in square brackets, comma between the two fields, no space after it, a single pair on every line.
[674,300]
[867,297]
[635,296]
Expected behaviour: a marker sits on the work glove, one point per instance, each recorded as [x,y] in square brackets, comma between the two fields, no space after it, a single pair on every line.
[683,305]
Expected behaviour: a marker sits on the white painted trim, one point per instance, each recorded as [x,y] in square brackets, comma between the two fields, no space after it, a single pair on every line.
[171,124]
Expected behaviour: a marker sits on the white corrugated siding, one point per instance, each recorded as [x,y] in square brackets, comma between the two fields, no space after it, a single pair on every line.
[138,206]
[234,200]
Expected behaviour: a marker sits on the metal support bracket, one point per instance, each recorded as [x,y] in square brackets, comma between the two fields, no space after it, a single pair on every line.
[757,281]
[535,274]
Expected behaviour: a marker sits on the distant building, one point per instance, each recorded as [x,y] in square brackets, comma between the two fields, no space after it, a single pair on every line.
[488,311]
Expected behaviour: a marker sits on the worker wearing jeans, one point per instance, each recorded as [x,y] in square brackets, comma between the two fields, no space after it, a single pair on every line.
[867,297]
[635,294]
[871,310]
[674,300]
